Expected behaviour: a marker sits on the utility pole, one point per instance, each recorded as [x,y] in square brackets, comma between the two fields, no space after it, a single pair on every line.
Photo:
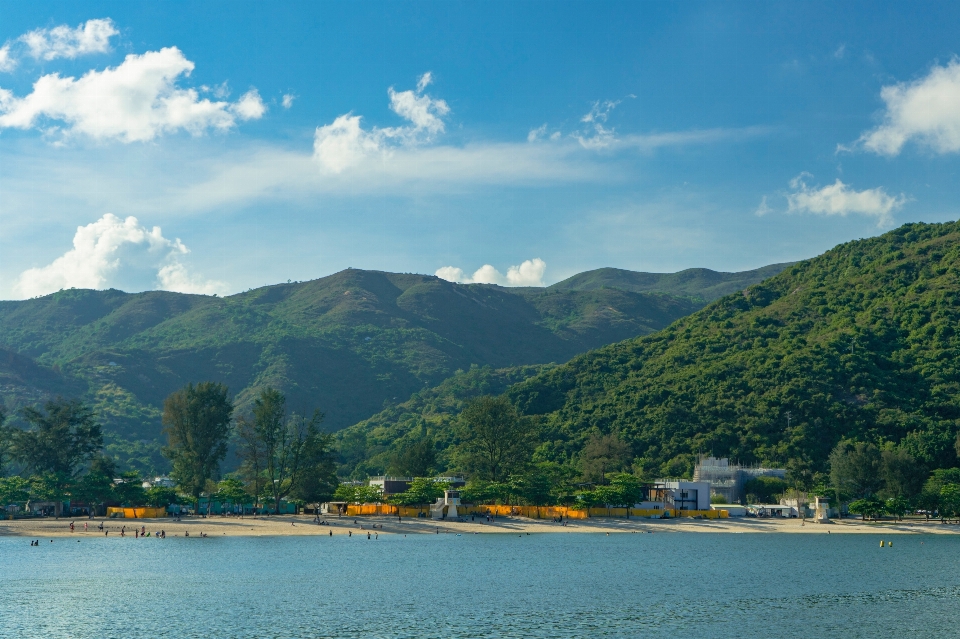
[789,416]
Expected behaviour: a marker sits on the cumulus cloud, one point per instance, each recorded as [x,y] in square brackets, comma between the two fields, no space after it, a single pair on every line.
[763,209]
[64,42]
[926,111]
[133,102]
[839,199]
[7,61]
[288,99]
[528,273]
[111,250]
[345,143]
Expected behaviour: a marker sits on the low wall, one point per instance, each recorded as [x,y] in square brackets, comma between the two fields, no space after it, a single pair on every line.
[137,513]
[533,512]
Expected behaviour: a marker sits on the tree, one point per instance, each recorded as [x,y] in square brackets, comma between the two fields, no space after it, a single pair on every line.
[950,501]
[854,470]
[318,477]
[866,507]
[480,491]
[534,487]
[357,494]
[196,420]
[13,490]
[766,489]
[231,491]
[96,487]
[902,475]
[416,458]
[160,496]
[629,490]
[6,441]
[604,454]
[61,438]
[291,452]
[253,455]
[421,492]
[897,507]
[496,440]
[129,489]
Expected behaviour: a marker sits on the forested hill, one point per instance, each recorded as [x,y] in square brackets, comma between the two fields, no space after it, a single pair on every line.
[351,343]
[696,283]
[861,342]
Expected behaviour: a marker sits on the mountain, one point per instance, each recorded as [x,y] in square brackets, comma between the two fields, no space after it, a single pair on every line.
[696,283]
[352,344]
[862,341]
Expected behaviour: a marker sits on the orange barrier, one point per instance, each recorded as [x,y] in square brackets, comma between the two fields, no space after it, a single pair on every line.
[140,512]
[532,512]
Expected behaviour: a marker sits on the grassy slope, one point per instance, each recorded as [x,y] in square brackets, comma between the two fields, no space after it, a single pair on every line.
[697,283]
[352,343]
[861,341]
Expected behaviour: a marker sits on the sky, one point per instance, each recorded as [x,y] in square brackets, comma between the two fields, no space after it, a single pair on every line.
[212,147]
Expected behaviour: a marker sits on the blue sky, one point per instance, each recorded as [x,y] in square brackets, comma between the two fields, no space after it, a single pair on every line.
[516,143]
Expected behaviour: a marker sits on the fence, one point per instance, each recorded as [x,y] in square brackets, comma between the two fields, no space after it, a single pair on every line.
[535,512]
[137,513]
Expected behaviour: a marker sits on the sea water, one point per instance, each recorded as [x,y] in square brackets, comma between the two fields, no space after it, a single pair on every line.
[492,585]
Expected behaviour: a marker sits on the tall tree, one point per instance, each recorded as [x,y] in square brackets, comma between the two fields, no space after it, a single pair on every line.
[291,452]
[318,477]
[854,470]
[253,456]
[604,454]
[902,475]
[416,459]
[497,441]
[60,439]
[196,420]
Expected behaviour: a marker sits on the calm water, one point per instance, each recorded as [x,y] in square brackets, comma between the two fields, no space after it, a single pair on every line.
[564,585]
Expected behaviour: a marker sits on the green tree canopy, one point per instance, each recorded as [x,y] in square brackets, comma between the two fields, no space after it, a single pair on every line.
[60,439]
[196,420]
[421,492]
[497,441]
[855,468]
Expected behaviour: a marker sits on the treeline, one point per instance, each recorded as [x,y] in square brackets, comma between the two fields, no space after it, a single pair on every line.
[56,454]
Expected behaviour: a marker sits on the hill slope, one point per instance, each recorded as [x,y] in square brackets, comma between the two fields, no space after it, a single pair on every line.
[862,341]
[697,283]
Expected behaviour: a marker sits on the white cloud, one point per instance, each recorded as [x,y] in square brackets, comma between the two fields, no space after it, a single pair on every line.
[7,61]
[596,135]
[344,143]
[763,209]
[839,199]
[288,99]
[112,249]
[134,102]
[926,111]
[528,273]
[64,42]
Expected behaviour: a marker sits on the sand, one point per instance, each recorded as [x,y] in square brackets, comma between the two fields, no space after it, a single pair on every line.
[303,525]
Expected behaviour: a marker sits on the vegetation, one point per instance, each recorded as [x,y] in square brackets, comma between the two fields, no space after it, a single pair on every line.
[197,421]
[355,342]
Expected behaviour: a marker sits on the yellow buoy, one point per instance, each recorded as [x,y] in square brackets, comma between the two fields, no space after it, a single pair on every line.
[881,543]
[890,544]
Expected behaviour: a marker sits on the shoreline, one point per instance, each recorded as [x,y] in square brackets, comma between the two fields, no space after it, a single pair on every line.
[287,525]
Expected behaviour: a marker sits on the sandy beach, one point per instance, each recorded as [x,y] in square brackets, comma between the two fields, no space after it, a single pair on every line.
[303,525]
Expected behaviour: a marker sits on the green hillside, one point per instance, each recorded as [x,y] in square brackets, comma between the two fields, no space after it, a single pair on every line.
[862,341]
[366,448]
[352,343]
[697,283]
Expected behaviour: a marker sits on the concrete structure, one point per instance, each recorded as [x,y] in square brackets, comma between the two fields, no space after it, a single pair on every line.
[446,506]
[821,510]
[159,482]
[729,480]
